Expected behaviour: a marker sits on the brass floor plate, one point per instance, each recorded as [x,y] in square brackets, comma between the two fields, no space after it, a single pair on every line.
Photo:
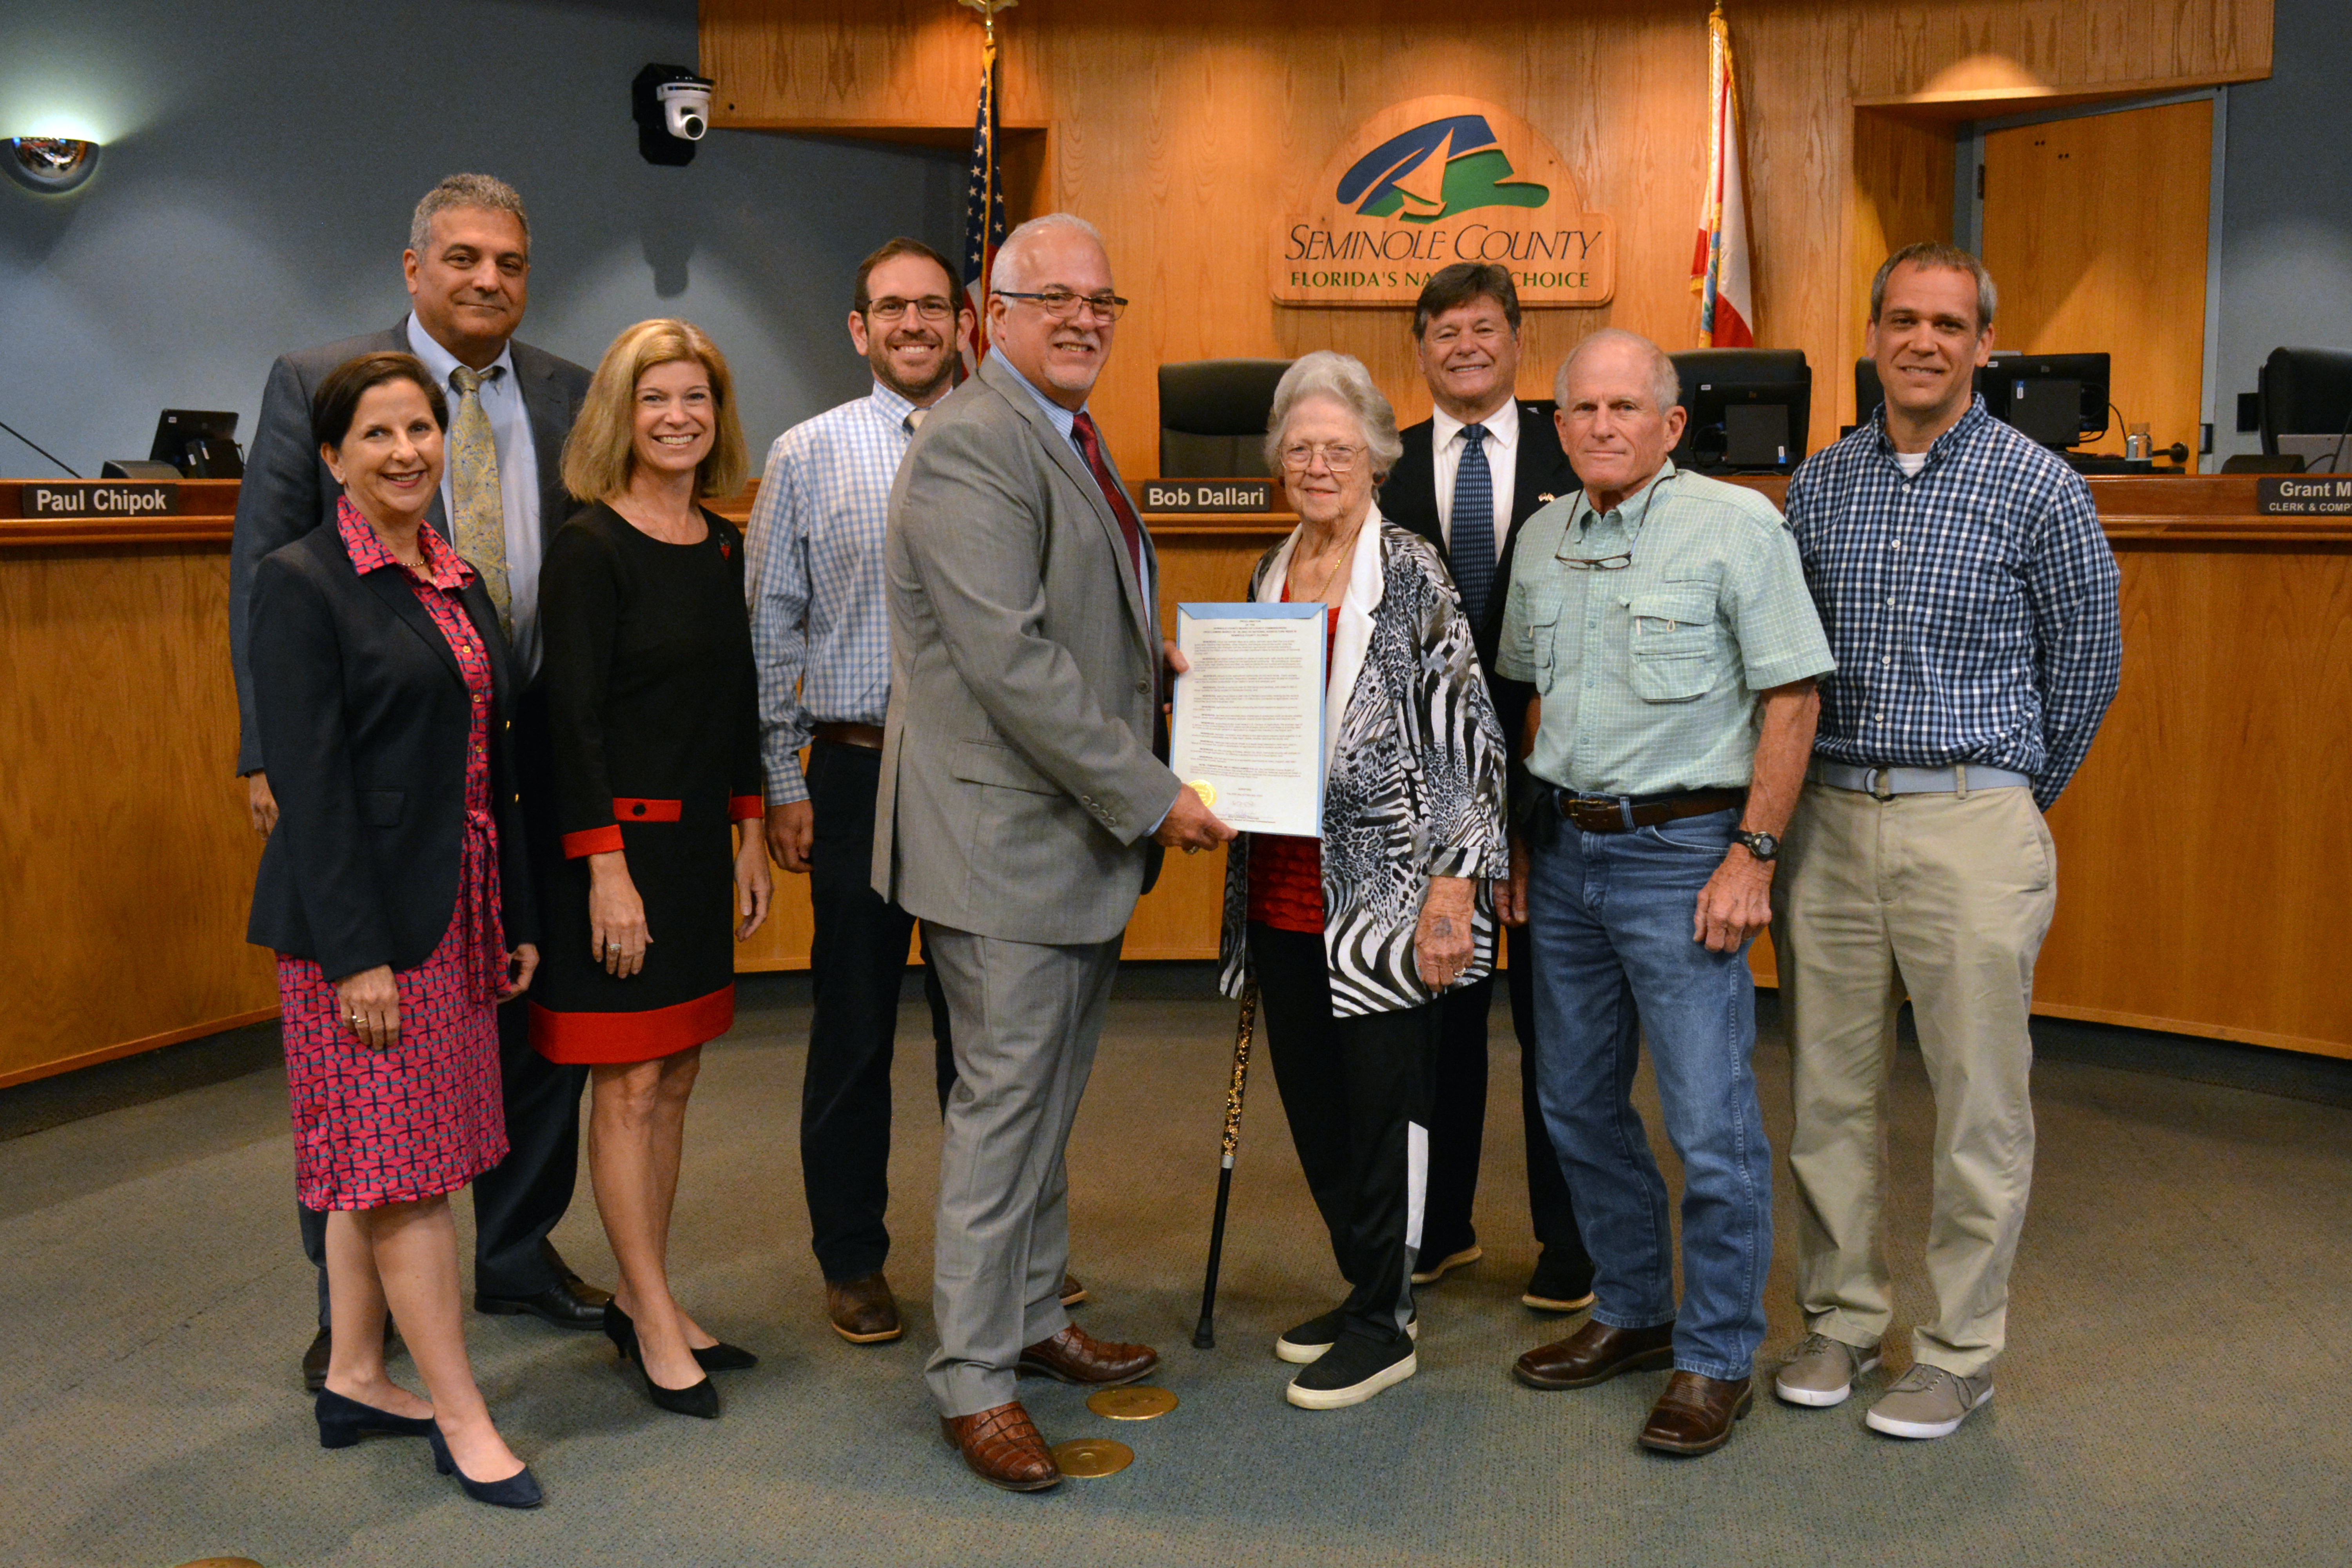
[1088,1457]
[1131,1404]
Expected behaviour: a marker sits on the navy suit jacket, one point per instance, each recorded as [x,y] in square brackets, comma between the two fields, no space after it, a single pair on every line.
[288,491]
[365,712]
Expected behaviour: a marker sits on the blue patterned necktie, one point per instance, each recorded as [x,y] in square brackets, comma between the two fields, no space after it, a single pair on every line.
[1471,550]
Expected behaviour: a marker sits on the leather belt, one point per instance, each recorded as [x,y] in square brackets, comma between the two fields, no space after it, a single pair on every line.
[869,736]
[1885,783]
[1623,813]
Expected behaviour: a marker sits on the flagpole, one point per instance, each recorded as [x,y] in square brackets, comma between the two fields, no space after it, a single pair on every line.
[987,198]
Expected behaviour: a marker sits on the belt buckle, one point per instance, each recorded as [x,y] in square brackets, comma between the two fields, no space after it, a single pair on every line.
[1875,782]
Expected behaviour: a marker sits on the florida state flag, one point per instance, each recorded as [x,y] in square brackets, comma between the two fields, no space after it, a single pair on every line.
[1720,271]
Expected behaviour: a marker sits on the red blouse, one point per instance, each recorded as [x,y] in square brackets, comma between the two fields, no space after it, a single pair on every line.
[1286,873]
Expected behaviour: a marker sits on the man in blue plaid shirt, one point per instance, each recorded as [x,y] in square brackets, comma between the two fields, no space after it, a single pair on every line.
[1969,596]
[821,629]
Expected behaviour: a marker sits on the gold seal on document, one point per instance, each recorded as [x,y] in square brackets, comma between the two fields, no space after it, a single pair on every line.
[1205,790]
[1131,1403]
[1088,1457]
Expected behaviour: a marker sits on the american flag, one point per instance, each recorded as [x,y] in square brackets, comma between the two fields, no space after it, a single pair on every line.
[983,209]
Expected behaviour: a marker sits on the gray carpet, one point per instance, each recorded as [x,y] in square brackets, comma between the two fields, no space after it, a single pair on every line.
[2180,1323]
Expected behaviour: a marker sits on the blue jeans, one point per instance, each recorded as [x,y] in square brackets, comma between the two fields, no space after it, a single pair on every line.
[1609,923]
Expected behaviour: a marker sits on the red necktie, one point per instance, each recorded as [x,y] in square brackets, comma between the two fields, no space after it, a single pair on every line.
[1091,443]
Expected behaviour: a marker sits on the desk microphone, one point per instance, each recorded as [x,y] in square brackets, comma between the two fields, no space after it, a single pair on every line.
[36,447]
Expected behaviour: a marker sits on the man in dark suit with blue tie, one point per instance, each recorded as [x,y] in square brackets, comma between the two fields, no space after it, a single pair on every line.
[511,407]
[1471,474]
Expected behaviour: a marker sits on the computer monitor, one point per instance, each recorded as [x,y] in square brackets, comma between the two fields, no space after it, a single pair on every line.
[2057,399]
[2307,393]
[201,443]
[1749,409]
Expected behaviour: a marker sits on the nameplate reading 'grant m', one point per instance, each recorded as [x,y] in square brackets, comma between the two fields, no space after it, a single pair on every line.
[97,497]
[1205,495]
[2304,495]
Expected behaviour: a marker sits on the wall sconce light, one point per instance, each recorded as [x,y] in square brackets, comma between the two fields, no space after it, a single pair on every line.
[51,165]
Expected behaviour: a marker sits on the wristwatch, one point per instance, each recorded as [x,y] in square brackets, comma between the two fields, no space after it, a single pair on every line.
[1763,845]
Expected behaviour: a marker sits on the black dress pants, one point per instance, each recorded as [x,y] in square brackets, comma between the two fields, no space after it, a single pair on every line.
[1356,1092]
[519,1200]
[1458,1126]
[857,963]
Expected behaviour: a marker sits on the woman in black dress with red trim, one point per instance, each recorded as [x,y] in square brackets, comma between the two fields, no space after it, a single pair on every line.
[653,718]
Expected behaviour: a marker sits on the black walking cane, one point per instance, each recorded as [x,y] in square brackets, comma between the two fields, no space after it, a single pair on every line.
[1204,1335]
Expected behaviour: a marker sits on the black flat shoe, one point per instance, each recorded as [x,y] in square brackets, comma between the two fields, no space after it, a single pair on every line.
[518,1491]
[722,1357]
[343,1422]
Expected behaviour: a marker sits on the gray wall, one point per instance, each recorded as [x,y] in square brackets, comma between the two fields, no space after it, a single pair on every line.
[261,161]
[2286,207]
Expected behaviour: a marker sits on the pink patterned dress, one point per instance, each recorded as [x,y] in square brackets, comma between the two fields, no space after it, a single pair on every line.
[369,1127]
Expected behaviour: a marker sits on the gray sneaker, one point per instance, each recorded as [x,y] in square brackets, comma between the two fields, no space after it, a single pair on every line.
[1929,1402]
[1820,1371]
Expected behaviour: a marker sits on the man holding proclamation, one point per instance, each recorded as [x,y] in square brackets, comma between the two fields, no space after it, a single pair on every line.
[1664,621]
[1970,598]
[1018,809]
[510,408]
[1471,476]
[821,627]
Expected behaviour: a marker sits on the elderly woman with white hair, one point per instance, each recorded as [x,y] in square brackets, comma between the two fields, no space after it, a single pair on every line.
[1353,936]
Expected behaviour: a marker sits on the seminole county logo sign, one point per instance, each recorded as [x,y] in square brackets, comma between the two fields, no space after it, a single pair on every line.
[1436,180]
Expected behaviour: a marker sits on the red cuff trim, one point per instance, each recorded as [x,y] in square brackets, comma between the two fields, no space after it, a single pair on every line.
[632,1036]
[630,808]
[594,841]
[746,808]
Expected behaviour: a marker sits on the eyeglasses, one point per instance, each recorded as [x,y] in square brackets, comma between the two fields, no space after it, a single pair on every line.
[1338,456]
[1601,564]
[891,308]
[1061,304]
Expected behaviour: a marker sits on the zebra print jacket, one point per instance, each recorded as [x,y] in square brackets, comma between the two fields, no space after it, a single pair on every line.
[1414,775]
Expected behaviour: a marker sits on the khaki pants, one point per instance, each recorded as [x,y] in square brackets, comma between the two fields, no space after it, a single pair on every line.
[1944,897]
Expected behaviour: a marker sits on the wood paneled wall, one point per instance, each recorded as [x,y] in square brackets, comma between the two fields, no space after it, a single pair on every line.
[1185,130]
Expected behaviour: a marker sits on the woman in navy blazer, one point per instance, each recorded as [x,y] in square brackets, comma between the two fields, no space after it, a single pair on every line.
[395,894]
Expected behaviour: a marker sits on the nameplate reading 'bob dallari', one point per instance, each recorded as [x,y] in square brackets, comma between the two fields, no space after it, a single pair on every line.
[2304,495]
[1204,495]
[1434,181]
[98,498]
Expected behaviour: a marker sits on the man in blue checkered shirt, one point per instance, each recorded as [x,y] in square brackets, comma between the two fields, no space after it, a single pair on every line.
[821,629]
[1969,596]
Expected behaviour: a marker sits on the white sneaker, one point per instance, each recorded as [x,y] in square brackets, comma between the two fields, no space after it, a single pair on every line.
[1821,1371]
[1929,1402]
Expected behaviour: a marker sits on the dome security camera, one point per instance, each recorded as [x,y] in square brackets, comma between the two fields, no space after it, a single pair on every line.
[671,105]
[686,108]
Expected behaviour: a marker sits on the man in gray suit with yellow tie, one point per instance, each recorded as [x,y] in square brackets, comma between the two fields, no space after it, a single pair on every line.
[467,267]
[1019,811]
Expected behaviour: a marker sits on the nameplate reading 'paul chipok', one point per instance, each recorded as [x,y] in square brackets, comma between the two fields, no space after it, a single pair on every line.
[2300,495]
[98,498]
[1424,185]
[1204,495]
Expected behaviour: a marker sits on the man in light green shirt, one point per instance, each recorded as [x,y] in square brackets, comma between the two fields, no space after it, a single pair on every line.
[1664,621]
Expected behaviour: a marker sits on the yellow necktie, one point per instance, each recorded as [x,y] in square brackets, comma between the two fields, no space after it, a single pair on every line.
[481,516]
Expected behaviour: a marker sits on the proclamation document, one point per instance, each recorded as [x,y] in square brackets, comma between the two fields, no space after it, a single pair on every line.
[1248,730]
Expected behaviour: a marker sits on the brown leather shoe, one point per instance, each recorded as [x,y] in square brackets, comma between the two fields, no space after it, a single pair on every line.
[863,1311]
[1003,1449]
[1694,1414]
[1072,1292]
[1595,1353]
[1074,1356]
